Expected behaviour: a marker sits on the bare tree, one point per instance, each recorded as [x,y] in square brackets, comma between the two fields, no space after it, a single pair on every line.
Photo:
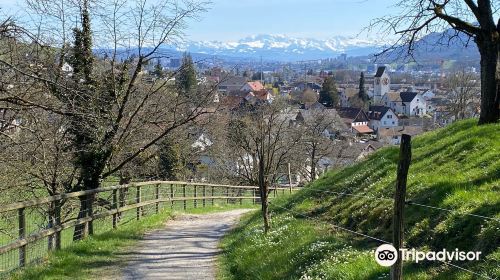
[263,140]
[474,18]
[318,128]
[114,111]
[464,94]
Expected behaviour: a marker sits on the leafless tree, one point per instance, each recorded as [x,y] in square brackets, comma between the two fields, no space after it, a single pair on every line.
[318,128]
[263,140]
[474,18]
[464,94]
[114,110]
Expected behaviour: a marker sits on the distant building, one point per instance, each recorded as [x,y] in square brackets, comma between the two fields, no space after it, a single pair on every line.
[355,119]
[413,104]
[252,86]
[230,84]
[381,84]
[382,117]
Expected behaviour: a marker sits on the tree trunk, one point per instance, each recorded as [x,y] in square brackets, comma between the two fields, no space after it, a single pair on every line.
[313,164]
[86,207]
[490,76]
[264,194]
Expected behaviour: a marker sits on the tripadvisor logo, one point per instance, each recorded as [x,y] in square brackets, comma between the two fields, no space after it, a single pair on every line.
[387,255]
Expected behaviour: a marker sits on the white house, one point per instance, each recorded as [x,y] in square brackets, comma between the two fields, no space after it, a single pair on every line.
[413,104]
[382,117]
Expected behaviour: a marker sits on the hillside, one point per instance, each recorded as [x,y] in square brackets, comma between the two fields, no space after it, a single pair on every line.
[456,168]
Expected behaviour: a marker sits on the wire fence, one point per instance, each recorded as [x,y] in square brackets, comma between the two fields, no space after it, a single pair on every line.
[376,239]
[29,230]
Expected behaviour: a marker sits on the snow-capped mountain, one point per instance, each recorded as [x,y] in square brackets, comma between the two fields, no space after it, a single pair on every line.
[284,48]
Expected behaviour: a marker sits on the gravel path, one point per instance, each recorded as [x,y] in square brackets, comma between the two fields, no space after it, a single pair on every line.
[185,249]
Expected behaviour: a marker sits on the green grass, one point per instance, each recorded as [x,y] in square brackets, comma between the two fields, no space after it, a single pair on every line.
[90,258]
[456,168]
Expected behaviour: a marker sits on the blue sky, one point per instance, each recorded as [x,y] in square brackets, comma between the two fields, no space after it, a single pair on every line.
[235,19]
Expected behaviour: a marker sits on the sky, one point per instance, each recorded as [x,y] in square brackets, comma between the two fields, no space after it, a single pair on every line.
[231,20]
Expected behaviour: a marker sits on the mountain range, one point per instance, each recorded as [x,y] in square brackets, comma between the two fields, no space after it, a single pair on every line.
[284,48]
[431,47]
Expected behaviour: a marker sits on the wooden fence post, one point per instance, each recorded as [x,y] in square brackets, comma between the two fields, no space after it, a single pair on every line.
[58,223]
[254,195]
[290,177]
[212,193]
[115,206]
[399,203]
[138,200]
[172,196]
[227,195]
[157,197]
[204,195]
[195,202]
[22,234]
[184,195]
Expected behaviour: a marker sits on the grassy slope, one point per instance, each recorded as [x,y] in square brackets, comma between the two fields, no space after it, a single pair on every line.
[457,168]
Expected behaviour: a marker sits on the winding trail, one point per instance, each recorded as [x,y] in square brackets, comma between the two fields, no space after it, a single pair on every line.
[185,249]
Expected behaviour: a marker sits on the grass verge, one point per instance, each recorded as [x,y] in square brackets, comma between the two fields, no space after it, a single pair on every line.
[454,168]
[96,256]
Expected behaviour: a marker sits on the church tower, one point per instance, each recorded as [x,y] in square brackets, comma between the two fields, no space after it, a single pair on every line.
[382,84]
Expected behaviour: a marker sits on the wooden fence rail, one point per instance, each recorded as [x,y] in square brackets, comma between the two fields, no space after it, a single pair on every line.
[120,199]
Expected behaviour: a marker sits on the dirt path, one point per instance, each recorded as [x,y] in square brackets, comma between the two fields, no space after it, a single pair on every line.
[185,249]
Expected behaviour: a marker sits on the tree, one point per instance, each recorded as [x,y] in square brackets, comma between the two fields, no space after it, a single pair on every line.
[169,160]
[186,78]
[315,143]
[475,19]
[257,76]
[112,117]
[329,95]
[464,93]
[262,140]
[362,90]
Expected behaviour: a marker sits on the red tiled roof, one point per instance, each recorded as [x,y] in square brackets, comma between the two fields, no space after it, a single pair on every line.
[256,86]
[362,129]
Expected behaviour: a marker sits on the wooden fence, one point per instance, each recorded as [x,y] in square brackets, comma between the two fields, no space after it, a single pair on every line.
[30,229]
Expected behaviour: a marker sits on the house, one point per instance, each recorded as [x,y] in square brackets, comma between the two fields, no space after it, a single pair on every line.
[231,84]
[392,135]
[302,86]
[254,97]
[356,120]
[314,106]
[413,104]
[382,117]
[252,86]
[381,84]
[346,95]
